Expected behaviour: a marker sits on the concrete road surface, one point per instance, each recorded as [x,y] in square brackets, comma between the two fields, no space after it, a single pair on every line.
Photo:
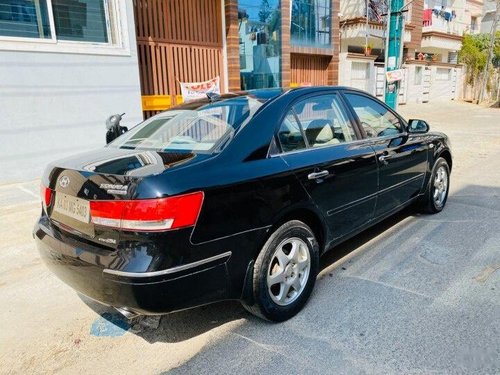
[415,294]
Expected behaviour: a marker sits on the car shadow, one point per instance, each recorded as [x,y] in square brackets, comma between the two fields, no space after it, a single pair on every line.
[172,328]
[186,324]
[345,248]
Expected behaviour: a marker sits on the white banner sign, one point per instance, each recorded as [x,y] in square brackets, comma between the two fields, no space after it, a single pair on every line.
[394,75]
[198,90]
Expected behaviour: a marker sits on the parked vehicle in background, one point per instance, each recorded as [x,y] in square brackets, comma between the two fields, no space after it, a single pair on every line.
[234,197]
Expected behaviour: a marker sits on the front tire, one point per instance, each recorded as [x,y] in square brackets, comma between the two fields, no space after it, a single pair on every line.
[284,272]
[436,195]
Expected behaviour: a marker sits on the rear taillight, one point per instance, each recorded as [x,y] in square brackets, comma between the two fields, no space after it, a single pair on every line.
[148,214]
[46,195]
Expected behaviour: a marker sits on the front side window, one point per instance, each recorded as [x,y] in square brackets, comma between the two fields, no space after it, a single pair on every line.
[73,20]
[323,121]
[192,128]
[376,120]
[317,121]
[311,23]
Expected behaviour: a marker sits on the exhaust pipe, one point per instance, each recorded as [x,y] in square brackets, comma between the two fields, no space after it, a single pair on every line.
[127,313]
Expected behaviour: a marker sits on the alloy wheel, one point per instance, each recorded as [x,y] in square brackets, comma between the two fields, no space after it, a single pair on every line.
[440,186]
[288,271]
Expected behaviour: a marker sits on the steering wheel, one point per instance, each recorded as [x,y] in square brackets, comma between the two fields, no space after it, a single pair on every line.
[370,131]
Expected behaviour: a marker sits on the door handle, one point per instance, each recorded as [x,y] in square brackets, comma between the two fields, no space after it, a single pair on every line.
[316,175]
[383,158]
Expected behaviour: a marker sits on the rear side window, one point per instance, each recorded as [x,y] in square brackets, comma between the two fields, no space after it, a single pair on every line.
[376,120]
[317,121]
[290,134]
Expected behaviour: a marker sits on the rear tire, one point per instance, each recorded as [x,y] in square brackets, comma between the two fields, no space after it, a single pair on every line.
[284,272]
[436,194]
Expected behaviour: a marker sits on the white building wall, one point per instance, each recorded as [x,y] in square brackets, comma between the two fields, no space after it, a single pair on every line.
[350,72]
[415,93]
[488,17]
[443,87]
[54,104]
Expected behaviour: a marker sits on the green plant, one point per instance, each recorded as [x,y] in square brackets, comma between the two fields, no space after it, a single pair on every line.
[474,53]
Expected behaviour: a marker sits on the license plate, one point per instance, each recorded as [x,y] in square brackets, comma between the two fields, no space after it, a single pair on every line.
[78,209]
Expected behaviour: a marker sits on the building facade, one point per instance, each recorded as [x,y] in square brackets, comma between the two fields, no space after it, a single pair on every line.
[433,35]
[488,16]
[66,65]
[249,44]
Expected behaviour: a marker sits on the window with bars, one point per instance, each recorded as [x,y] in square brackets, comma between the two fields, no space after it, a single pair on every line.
[311,23]
[91,21]
[418,75]
[443,74]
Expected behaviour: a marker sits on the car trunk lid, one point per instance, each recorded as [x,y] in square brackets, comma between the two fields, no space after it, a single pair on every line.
[105,176]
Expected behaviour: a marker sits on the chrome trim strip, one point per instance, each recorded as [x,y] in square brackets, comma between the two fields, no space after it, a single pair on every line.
[355,142]
[387,189]
[351,204]
[168,271]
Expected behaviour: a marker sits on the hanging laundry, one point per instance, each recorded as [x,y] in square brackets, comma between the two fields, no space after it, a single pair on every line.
[427,18]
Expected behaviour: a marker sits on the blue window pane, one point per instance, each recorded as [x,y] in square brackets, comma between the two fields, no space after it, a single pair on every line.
[311,23]
[260,43]
[80,20]
[24,18]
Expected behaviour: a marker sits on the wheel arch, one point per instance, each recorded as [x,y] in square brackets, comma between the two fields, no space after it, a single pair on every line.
[446,155]
[311,218]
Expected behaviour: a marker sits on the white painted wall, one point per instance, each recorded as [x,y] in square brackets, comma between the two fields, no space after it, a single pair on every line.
[349,78]
[441,89]
[488,17]
[54,104]
[415,88]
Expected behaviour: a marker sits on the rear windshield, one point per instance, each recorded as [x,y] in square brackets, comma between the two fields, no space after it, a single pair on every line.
[191,128]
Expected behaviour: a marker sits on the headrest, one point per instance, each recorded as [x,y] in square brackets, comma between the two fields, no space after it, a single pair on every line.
[319,131]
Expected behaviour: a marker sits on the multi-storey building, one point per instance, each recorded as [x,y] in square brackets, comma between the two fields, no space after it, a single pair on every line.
[65,65]
[488,16]
[432,38]
[249,44]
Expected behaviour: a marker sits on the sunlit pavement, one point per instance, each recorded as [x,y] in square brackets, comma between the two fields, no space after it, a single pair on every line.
[415,294]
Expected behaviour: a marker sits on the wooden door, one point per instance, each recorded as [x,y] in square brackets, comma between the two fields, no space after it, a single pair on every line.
[309,70]
[177,40]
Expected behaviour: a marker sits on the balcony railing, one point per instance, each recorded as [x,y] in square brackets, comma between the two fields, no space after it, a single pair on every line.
[442,21]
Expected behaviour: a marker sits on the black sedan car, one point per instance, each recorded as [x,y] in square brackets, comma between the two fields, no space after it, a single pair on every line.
[234,197]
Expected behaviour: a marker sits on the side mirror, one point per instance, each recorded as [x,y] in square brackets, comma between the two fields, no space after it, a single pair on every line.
[114,128]
[417,126]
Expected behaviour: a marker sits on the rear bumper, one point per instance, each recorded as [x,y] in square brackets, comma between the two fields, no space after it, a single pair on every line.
[87,270]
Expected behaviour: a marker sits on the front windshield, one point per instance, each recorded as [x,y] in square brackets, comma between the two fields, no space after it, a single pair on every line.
[191,128]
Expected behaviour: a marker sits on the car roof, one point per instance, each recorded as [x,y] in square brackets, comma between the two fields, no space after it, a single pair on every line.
[263,95]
